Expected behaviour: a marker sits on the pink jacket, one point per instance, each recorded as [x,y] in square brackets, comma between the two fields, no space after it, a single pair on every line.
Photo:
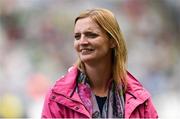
[63,102]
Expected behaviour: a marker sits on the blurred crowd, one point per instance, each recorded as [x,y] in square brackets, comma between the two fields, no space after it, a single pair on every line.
[36,48]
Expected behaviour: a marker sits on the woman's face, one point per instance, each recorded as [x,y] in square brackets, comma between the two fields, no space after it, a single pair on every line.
[91,43]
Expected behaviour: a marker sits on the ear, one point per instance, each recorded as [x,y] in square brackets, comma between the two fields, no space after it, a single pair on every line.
[112,43]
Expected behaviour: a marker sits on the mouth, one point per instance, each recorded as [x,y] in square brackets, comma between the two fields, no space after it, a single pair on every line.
[85,51]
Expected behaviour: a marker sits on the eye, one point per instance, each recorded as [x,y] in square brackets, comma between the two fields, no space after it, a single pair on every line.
[91,35]
[77,36]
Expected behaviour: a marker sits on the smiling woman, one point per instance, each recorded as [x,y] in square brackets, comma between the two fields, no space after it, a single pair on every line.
[98,85]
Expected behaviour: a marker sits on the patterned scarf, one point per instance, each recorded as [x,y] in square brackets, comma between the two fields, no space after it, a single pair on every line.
[114,104]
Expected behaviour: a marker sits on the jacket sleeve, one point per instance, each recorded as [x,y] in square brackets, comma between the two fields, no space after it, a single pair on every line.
[150,110]
[50,108]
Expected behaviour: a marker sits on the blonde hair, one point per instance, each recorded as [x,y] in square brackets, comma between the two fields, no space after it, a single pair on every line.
[108,23]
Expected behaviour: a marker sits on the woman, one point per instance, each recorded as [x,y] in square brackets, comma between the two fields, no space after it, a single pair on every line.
[98,85]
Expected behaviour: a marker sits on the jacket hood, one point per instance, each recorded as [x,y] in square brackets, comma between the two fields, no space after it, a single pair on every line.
[64,92]
[135,88]
[134,95]
[66,84]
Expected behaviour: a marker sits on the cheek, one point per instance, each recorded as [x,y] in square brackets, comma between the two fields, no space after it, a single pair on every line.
[76,45]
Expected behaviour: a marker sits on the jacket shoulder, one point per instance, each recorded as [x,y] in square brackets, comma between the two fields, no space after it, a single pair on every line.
[138,102]
[66,83]
[135,88]
[71,74]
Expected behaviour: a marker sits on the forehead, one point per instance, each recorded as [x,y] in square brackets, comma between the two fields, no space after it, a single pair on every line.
[86,24]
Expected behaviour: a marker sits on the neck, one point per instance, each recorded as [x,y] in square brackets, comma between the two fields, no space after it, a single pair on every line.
[99,75]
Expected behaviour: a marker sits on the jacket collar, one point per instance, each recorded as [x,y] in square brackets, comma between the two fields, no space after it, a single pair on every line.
[135,89]
[135,95]
[66,87]
[66,84]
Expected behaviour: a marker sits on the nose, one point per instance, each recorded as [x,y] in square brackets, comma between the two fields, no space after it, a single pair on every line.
[83,40]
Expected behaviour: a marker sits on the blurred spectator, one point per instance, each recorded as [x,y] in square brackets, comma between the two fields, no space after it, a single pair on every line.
[10,106]
[37,86]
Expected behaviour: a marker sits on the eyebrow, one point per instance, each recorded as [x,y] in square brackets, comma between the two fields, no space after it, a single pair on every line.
[90,31]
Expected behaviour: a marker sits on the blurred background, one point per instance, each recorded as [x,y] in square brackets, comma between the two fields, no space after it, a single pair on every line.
[36,48]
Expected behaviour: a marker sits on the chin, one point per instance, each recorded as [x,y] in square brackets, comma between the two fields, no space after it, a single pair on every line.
[86,59]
